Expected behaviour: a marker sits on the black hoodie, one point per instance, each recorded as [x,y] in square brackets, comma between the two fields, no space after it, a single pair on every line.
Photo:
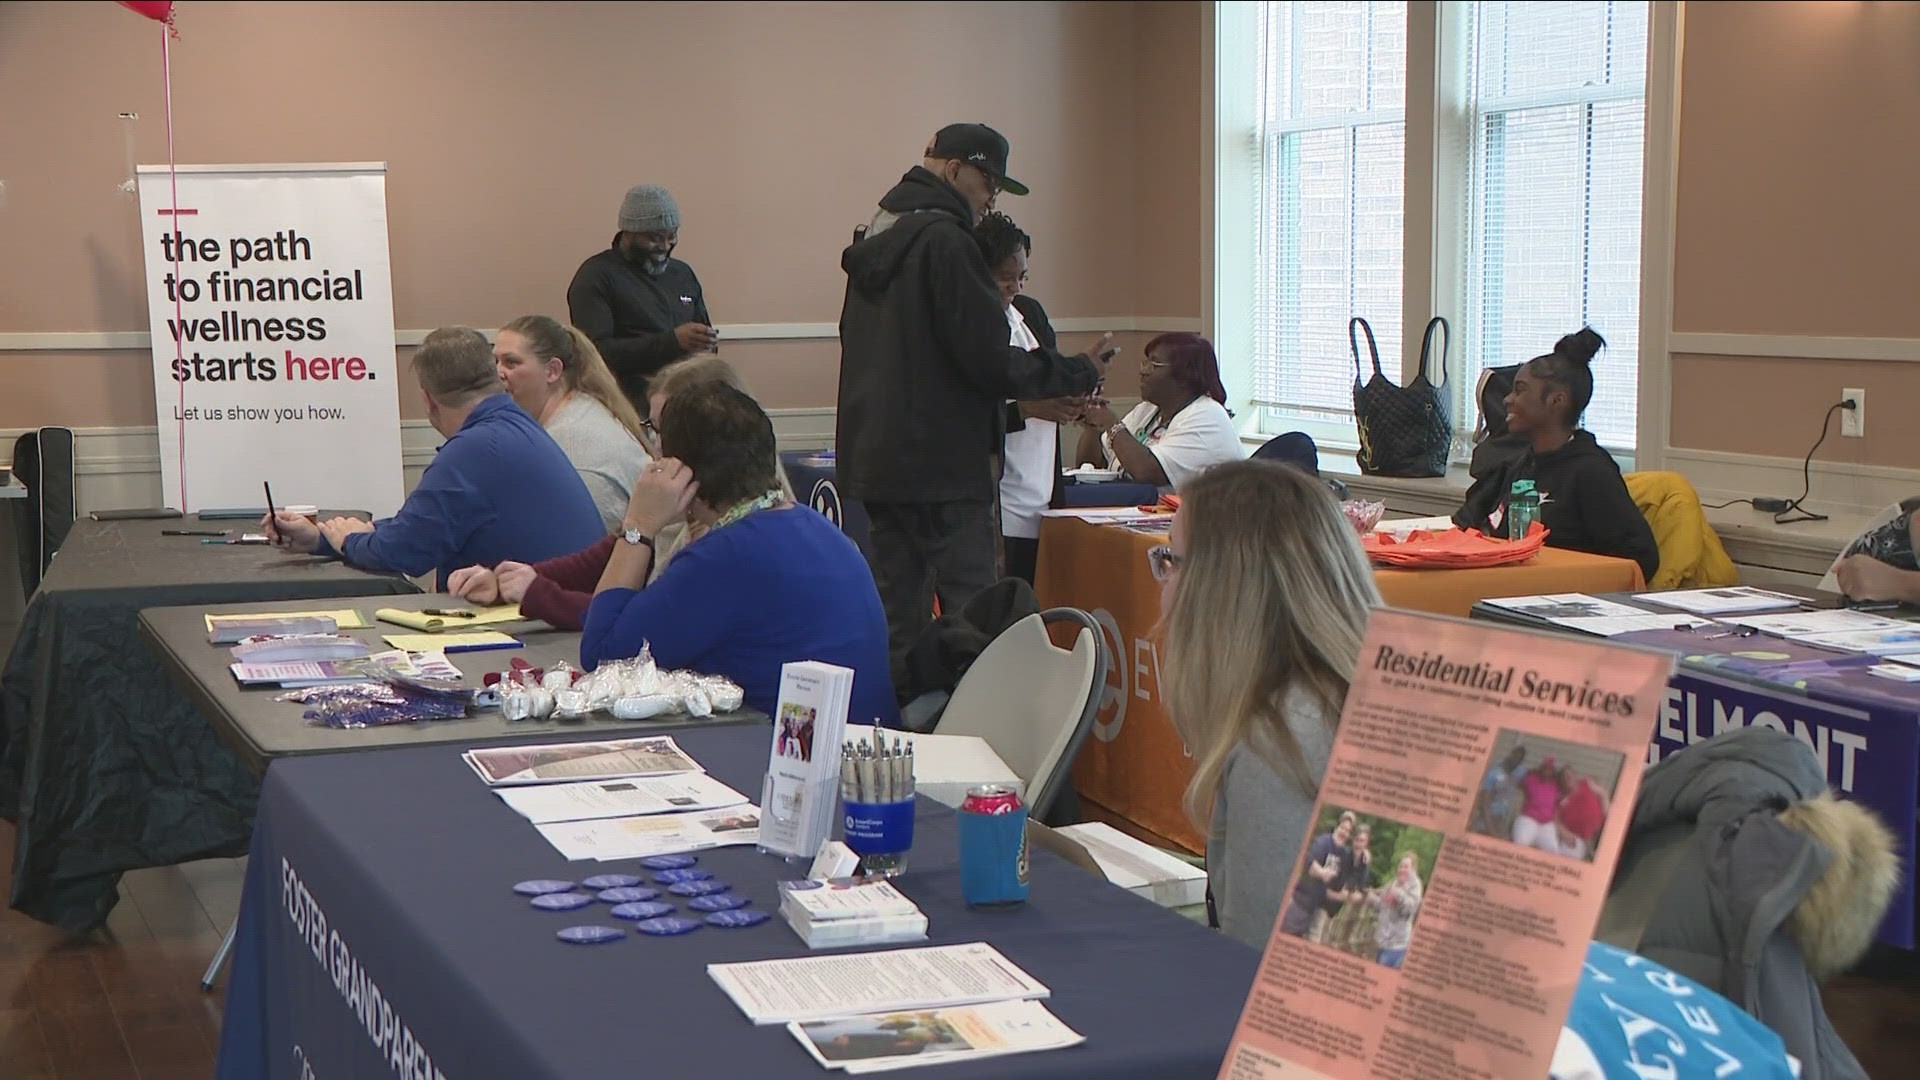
[1583,500]
[925,367]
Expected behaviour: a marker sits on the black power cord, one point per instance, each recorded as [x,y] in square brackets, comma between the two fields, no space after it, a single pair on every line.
[1785,507]
[1806,474]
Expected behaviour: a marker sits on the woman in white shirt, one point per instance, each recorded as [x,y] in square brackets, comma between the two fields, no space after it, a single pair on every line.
[1031,464]
[557,376]
[1181,426]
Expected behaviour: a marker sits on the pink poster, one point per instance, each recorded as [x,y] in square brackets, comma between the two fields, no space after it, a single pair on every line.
[1465,833]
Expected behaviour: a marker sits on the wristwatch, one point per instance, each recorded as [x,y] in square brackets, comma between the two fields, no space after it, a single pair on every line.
[638,539]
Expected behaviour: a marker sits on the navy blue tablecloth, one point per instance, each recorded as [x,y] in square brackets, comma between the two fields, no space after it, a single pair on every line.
[389,873]
[1111,493]
[813,483]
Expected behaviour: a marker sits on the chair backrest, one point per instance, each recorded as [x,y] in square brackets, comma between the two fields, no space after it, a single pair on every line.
[1295,448]
[1033,702]
[43,460]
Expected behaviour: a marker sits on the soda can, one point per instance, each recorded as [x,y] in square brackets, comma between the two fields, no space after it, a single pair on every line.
[993,847]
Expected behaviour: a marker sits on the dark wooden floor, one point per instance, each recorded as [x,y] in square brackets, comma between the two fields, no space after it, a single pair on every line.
[124,1003]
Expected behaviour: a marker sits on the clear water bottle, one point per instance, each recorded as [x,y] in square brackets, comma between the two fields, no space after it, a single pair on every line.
[1523,509]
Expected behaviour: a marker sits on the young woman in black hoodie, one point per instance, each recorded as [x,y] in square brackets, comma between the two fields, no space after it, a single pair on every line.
[1583,499]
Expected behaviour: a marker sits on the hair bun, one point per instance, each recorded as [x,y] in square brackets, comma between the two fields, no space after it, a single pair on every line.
[1580,346]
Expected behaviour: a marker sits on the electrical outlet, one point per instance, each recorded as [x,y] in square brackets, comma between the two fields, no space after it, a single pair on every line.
[1853,422]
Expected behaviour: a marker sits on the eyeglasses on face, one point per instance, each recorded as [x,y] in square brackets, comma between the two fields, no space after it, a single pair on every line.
[1163,562]
[993,182]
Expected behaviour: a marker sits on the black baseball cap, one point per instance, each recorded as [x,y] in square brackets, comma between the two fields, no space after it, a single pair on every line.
[980,146]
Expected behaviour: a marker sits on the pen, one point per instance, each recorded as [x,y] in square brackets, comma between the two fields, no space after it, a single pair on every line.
[273,534]
[194,532]
[913,784]
[446,614]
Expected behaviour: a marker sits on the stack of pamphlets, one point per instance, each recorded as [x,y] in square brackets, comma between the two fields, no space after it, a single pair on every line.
[293,647]
[294,674]
[232,629]
[1592,615]
[1737,600]
[867,1012]
[802,790]
[850,911]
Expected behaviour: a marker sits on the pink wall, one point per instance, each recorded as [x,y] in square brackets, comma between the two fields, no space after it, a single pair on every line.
[511,129]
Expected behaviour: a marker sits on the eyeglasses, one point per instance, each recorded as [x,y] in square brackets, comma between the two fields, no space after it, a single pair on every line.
[1154,365]
[993,182]
[1163,562]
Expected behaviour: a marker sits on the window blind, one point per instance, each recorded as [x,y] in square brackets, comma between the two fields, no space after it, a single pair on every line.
[1330,190]
[1558,119]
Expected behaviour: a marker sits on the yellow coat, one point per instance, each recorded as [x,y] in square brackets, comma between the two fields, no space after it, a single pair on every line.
[1691,556]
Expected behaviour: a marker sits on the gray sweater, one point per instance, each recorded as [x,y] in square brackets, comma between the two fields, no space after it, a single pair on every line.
[607,455]
[1260,822]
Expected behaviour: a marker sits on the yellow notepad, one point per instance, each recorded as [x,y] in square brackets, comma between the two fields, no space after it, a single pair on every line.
[451,643]
[434,624]
[344,619]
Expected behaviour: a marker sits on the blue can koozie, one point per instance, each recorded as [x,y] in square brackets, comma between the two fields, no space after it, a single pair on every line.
[993,847]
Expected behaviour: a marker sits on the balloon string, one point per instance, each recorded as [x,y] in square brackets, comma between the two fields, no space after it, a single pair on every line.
[179,311]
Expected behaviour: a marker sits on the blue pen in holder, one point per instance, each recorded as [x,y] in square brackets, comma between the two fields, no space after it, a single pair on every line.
[881,834]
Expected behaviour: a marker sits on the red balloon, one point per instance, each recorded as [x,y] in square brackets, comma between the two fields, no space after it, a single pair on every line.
[157,10]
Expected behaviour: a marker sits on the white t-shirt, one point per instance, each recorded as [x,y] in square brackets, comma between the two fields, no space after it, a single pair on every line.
[1199,436]
[1032,457]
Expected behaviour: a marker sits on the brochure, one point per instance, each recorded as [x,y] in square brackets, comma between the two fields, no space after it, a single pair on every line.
[1466,831]
[551,762]
[1904,638]
[609,839]
[881,1042]
[1559,606]
[630,797]
[227,629]
[822,987]
[1730,601]
[802,789]
[296,647]
[302,673]
[1615,625]
[1802,624]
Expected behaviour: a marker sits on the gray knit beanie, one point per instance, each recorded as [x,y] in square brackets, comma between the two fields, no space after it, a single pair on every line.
[649,208]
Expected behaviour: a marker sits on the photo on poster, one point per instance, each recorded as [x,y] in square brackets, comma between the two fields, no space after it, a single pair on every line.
[796,731]
[1361,885]
[1546,794]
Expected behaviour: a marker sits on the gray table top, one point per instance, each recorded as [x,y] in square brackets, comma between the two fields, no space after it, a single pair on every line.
[259,729]
[111,556]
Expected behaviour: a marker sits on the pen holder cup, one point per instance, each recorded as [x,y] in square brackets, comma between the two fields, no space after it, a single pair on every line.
[881,834]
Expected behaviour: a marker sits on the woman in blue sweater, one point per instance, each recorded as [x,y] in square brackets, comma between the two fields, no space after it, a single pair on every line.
[767,582]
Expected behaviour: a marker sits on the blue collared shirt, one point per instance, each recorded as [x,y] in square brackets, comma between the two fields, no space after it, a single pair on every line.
[501,488]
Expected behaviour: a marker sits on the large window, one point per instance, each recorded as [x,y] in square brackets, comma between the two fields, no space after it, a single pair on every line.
[1522,222]
[1558,115]
[1329,216]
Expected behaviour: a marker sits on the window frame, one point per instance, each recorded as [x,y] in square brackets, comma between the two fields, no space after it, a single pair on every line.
[1439,144]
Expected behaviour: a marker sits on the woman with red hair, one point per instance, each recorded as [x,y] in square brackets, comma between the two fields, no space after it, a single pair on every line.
[1181,426]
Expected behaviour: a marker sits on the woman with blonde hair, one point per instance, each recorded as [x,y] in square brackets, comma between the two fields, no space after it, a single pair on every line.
[558,591]
[1398,902]
[555,374]
[1264,600]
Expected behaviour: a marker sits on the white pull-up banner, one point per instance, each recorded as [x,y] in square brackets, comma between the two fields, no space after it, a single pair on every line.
[271,304]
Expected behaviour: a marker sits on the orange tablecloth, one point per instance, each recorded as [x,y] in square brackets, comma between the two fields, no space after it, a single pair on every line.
[1134,766]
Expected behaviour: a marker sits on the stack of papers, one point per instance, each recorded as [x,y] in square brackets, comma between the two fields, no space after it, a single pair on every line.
[479,641]
[802,789]
[1592,615]
[1801,624]
[301,673]
[1407,526]
[881,1042]
[1730,601]
[221,628]
[552,762]
[281,650]
[810,988]
[633,797]
[610,839]
[1899,643]
[1141,869]
[850,911]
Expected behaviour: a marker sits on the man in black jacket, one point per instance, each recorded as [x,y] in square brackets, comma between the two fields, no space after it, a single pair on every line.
[642,307]
[925,374]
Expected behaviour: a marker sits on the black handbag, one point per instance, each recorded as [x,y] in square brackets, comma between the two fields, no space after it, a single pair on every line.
[1404,430]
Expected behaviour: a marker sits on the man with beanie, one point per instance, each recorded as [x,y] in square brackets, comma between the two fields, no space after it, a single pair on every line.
[925,374]
[642,307]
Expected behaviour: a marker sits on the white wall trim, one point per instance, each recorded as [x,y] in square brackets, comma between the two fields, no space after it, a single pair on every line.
[1796,346]
[1659,204]
[112,340]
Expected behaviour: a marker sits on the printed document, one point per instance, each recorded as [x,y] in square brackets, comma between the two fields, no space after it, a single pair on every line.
[822,987]
[882,1042]
[553,762]
[634,796]
[608,839]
